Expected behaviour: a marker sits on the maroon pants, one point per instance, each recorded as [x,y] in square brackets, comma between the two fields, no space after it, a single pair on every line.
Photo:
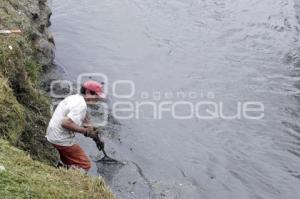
[73,156]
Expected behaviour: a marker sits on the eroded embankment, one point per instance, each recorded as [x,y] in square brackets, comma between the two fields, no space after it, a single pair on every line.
[24,110]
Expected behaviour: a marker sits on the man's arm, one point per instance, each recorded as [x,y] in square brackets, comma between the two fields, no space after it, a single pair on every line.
[70,125]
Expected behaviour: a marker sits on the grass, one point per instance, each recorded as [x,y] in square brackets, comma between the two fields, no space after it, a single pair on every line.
[24,110]
[26,178]
[12,117]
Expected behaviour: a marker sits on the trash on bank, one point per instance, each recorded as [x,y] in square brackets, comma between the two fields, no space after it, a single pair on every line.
[2,168]
[15,31]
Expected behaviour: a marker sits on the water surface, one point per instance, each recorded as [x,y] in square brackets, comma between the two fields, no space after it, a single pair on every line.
[239,50]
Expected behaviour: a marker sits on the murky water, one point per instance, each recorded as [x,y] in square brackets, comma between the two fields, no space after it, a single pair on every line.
[237,50]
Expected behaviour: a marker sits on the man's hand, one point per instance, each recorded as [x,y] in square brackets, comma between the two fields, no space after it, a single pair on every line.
[89,131]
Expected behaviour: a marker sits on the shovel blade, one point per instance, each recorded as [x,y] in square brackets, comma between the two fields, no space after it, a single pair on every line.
[109,160]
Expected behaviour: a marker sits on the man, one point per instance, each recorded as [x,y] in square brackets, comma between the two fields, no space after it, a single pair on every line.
[70,118]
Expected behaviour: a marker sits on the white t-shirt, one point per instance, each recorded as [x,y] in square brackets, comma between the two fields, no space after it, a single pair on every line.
[73,107]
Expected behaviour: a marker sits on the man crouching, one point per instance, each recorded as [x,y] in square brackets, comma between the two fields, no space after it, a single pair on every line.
[69,118]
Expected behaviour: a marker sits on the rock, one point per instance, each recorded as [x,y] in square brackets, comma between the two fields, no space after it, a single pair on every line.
[46,51]
[42,1]
[51,39]
[38,14]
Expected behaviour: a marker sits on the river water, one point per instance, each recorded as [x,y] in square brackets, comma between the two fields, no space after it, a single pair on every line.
[224,51]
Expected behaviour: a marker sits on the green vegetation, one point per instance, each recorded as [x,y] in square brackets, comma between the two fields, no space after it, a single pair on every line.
[24,111]
[11,113]
[26,178]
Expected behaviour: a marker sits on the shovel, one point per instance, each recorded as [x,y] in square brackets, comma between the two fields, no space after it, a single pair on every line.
[106,158]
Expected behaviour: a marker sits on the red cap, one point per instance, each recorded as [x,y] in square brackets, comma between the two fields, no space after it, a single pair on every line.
[94,86]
